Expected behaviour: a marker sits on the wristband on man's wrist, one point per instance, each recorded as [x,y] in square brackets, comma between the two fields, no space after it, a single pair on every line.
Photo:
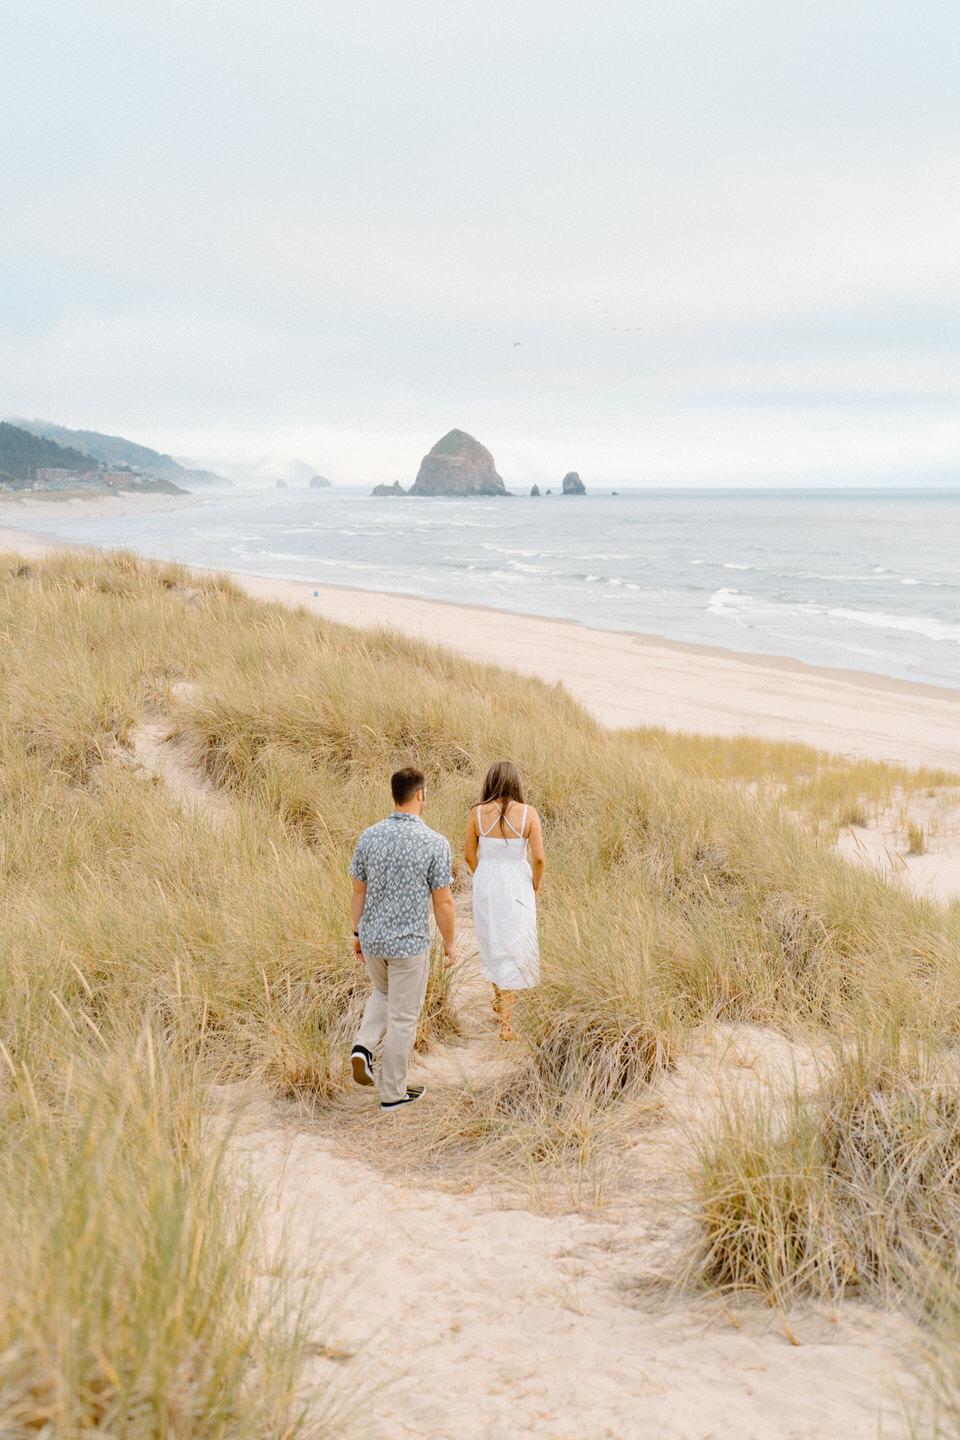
[357,934]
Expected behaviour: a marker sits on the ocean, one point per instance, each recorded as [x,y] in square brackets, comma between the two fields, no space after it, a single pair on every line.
[868,580]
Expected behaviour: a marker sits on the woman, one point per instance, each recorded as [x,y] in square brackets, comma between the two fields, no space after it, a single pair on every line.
[501,832]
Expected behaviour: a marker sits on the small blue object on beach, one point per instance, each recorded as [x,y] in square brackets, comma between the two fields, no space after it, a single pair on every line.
[315,594]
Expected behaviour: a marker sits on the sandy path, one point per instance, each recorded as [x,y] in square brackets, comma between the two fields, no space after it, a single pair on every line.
[471,1316]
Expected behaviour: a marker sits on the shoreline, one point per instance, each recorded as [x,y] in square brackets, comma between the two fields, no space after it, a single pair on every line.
[631,680]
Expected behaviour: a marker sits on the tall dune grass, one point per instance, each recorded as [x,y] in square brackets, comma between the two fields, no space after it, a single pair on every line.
[133,1302]
[675,894]
[856,1186]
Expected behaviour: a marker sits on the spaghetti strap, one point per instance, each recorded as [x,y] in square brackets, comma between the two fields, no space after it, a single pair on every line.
[523,821]
[484,834]
[502,822]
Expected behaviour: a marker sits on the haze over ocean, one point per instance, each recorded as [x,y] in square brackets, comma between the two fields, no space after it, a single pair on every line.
[865,580]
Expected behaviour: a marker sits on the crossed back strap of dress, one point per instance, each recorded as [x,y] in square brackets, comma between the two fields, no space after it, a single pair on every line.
[489,835]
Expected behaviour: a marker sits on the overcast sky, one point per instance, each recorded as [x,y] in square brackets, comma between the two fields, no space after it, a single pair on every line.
[693,242]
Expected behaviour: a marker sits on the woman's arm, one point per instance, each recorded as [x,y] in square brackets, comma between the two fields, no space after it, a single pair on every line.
[538,860]
[470,840]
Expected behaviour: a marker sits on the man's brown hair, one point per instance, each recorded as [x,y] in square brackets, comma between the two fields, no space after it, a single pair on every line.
[405,783]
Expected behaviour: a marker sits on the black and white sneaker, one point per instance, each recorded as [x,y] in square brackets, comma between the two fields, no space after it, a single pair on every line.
[414,1092]
[361,1063]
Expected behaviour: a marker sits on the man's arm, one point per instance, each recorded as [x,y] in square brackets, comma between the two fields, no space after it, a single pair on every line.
[446,918]
[357,901]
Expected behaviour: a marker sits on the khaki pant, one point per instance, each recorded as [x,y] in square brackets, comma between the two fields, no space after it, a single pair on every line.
[399,987]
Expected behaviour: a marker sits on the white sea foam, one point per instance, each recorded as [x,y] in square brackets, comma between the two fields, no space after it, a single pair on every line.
[925,625]
[727,601]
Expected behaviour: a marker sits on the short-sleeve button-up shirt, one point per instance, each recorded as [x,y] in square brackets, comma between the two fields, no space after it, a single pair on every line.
[401,860]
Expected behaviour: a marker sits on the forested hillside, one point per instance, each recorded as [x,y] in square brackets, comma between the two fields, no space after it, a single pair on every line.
[115,450]
[21,453]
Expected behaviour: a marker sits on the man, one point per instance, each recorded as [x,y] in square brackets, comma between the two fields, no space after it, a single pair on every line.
[398,868]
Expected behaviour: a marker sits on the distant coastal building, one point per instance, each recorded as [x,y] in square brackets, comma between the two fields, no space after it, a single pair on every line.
[57,478]
[50,477]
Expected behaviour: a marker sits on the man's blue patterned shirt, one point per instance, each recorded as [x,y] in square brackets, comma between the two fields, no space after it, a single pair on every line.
[402,861]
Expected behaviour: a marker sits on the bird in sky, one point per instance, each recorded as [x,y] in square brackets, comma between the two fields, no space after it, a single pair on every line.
[518,342]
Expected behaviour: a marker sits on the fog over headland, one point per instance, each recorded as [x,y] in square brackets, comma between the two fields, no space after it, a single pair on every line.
[703,243]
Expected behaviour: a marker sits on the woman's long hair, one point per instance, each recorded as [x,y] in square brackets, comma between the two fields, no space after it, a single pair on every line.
[502,785]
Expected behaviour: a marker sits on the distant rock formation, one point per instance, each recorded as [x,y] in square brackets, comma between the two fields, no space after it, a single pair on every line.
[395,489]
[535,490]
[319,482]
[573,485]
[549,492]
[281,485]
[458,465]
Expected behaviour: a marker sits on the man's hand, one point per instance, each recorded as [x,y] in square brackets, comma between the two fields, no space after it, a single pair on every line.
[357,901]
[446,923]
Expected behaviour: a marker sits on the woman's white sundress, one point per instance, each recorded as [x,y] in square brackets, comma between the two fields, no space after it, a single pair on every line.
[505,909]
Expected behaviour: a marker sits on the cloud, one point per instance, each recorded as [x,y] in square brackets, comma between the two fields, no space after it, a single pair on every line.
[297,229]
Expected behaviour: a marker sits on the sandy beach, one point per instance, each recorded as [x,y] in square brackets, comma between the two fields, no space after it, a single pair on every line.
[21,507]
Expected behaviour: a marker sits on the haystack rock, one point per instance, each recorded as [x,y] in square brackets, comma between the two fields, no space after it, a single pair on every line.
[535,490]
[395,489]
[573,485]
[458,465]
[319,482]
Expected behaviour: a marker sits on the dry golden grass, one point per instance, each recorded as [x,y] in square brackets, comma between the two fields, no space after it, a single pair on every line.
[856,1186]
[134,922]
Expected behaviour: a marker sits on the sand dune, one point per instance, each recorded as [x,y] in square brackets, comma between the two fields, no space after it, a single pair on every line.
[470,1310]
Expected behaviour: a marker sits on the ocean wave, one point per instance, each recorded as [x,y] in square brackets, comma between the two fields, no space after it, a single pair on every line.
[752,610]
[925,625]
[509,549]
[282,555]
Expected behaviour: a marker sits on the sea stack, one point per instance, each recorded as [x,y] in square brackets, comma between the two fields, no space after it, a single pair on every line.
[535,490]
[458,465]
[572,484]
[319,482]
[395,489]
[281,485]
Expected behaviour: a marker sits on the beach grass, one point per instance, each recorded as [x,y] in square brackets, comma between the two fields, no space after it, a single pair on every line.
[153,946]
